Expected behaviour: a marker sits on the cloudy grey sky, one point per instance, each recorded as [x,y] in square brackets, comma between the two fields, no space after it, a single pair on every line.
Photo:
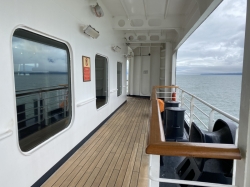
[38,57]
[217,45]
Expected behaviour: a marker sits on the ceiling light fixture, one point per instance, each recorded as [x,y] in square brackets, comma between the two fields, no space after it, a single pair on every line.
[96,9]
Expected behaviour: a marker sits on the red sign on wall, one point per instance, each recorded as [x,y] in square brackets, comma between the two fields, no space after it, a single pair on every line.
[86,69]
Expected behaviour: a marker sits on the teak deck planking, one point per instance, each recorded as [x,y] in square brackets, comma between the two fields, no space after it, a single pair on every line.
[114,155]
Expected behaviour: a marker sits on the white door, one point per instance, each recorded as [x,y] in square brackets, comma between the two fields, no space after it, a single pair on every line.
[137,75]
[145,76]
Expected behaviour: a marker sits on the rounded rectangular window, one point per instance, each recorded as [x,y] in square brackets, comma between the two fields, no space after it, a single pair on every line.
[119,78]
[42,83]
[101,80]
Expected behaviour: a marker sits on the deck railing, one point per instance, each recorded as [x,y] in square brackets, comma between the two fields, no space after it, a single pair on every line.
[40,107]
[157,144]
[191,106]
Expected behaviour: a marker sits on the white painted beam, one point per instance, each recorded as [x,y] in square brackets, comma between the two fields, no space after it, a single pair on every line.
[242,171]
[124,8]
[166,9]
[171,22]
[162,38]
[145,9]
[173,72]
[195,21]
[168,65]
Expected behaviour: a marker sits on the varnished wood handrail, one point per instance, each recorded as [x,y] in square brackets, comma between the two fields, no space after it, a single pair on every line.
[158,146]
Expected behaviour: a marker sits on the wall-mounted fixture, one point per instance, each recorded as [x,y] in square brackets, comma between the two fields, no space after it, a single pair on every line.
[90,31]
[130,55]
[116,48]
[96,9]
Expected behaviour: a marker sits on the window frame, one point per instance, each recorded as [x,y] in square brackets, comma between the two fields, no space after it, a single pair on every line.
[121,78]
[71,87]
[108,91]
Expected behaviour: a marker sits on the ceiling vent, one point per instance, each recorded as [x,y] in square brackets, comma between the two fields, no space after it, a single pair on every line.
[131,38]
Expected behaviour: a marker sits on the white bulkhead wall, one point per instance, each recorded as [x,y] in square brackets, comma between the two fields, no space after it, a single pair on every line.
[155,66]
[60,19]
[145,69]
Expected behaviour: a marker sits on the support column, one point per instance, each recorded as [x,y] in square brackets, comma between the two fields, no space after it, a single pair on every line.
[173,72]
[242,170]
[168,67]
[131,76]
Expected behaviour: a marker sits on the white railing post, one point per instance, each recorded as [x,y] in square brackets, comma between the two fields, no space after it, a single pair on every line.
[154,169]
[182,98]
[191,111]
[211,121]
[45,108]
[39,96]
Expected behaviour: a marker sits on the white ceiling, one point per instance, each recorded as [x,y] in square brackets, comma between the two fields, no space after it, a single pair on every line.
[146,8]
[167,20]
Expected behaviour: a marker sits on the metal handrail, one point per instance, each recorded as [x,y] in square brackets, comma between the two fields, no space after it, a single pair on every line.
[41,107]
[157,145]
[25,90]
[40,91]
[200,121]
[186,99]
[213,107]
[210,115]
[42,98]
[154,176]
[5,134]
[187,113]
[186,106]
[201,110]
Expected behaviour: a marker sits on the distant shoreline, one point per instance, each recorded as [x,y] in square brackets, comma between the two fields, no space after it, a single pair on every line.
[32,72]
[221,74]
[209,74]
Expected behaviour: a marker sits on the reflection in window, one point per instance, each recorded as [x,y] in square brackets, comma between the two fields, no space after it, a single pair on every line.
[119,78]
[101,79]
[42,83]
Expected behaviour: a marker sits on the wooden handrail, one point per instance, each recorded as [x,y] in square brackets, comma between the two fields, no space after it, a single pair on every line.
[157,144]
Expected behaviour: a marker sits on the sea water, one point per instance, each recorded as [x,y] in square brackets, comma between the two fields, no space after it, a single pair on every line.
[36,81]
[221,91]
[30,82]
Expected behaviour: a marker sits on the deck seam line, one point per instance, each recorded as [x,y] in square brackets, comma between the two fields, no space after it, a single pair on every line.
[117,128]
[102,129]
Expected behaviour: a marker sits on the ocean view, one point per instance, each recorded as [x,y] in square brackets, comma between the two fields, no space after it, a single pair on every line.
[27,82]
[221,91]
[35,81]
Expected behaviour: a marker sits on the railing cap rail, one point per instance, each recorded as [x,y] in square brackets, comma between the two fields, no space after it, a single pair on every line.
[158,146]
[212,107]
[39,90]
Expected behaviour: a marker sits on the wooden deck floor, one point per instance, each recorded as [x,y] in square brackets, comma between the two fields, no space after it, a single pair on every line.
[114,155]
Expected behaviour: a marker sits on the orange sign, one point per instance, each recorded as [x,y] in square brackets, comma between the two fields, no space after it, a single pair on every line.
[86,69]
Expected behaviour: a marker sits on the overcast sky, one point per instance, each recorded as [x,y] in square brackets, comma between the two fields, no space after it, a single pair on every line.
[217,45]
[38,57]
